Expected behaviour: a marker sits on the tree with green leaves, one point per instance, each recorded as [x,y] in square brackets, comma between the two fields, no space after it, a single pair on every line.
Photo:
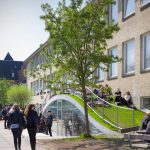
[78,39]
[19,94]
[4,86]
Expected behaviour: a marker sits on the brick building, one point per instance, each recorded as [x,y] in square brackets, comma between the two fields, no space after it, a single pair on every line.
[132,44]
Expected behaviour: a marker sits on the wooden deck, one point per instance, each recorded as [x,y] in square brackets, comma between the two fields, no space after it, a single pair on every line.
[138,140]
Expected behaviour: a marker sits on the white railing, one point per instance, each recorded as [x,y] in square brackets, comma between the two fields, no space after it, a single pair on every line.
[110,104]
[100,115]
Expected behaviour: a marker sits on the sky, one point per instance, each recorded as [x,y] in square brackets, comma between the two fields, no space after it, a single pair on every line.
[21,30]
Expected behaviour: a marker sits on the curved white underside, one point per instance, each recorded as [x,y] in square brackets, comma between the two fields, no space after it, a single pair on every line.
[100,127]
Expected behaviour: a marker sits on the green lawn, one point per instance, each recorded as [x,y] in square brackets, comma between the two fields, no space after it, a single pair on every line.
[125,117]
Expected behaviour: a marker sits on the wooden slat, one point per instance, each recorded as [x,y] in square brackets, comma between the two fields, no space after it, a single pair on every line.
[145,145]
[125,130]
[141,131]
[144,137]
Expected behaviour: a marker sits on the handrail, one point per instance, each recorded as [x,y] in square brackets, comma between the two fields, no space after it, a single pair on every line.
[99,115]
[106,101]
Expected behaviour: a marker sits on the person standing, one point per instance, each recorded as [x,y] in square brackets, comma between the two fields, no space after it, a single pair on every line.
[67,125]
[32,123]
[15,120]
[5,113]
[49,122]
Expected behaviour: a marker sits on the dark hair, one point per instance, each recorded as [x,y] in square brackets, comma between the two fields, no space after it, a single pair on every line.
[49,111]
[28,109]
[128,93]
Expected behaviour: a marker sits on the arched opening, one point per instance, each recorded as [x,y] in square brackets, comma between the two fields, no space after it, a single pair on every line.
[68,119]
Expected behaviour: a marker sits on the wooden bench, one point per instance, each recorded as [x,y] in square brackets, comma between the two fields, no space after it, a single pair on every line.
[138,140]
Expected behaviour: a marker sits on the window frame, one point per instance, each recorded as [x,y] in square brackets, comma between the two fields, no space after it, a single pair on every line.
[110,18]
[130,14]
[125,73]
[143,69]
[142,5]
[109,72]
[142,101]
[98,73]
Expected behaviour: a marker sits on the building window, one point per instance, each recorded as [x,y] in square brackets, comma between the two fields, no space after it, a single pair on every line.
[100,72]
[113,12]
[129,7]
[129,57]
[146,51]
[145,103]
[113,71]
[34,88]
[144,2]
[12,75]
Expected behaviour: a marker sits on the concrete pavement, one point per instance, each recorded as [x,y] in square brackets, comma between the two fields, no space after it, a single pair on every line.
[6,139]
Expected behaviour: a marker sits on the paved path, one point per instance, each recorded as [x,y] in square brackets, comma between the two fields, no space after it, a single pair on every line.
[6,140]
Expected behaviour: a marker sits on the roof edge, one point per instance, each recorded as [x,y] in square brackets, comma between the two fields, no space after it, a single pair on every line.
[36,51]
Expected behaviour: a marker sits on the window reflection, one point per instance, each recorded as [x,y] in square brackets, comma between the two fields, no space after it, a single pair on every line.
[146,51]
[129,57]
[68,119]
[113,67]
[129,7]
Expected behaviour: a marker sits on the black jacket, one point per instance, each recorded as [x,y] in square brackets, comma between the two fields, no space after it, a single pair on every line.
[15,118]
[32,119]
[49,120]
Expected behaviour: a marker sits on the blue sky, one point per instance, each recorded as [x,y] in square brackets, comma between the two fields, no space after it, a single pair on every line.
[21,30]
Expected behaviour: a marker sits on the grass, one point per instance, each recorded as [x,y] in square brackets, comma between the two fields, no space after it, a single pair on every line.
[97,118]
[82,137]
[125,119]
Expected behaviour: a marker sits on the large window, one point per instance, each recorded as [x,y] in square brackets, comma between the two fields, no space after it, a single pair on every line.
[144,2]
[129,57]
[100,72]
[146,51]
[129,7]
[113,71]
[113,12]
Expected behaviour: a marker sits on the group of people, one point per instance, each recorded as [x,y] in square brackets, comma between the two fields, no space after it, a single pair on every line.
[17,119]
[45,123]
[126,100]
[105,92]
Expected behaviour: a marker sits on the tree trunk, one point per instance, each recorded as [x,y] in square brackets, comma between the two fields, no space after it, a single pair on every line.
[86,110]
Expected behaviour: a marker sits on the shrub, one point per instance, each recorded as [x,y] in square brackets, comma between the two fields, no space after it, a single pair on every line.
[19,94]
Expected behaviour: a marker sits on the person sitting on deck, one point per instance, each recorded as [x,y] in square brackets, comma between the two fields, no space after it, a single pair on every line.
[145,124]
